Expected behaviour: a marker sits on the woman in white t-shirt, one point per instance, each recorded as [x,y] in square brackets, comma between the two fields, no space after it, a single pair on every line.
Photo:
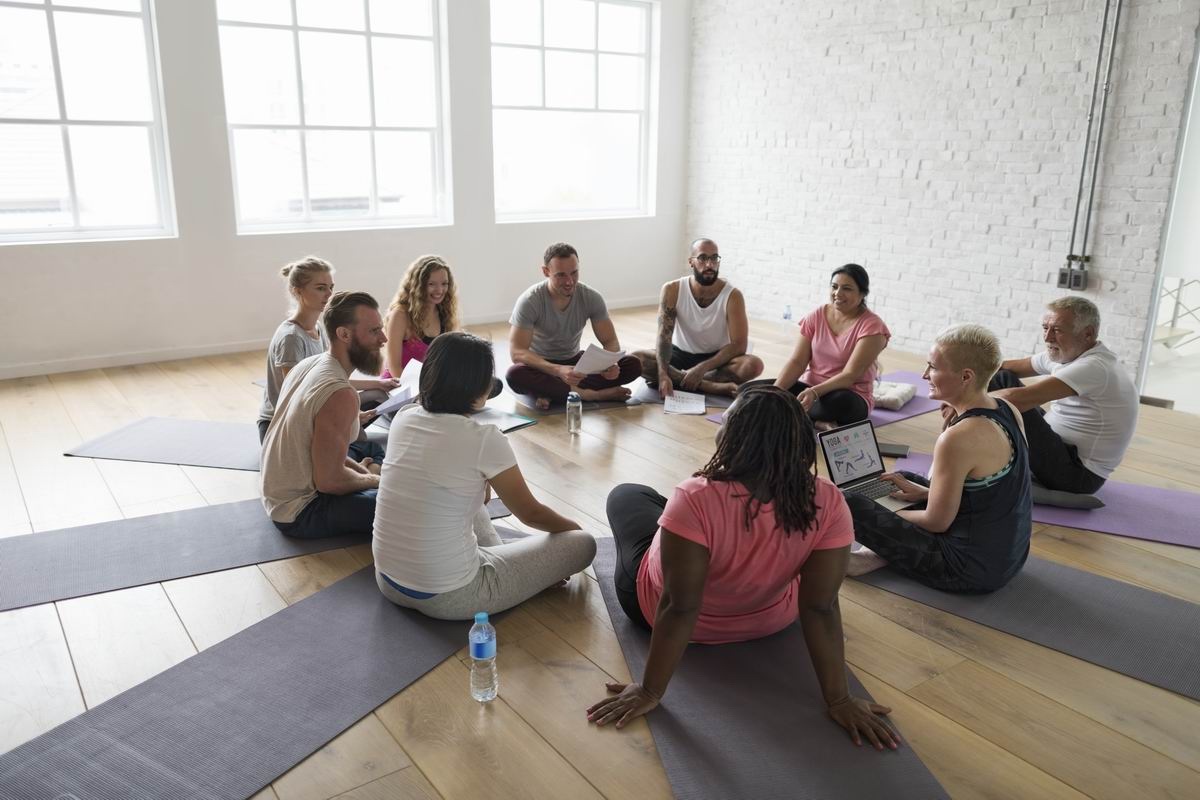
[435,548]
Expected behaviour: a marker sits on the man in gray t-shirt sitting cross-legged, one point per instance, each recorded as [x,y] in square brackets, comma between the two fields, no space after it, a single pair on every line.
[547,323]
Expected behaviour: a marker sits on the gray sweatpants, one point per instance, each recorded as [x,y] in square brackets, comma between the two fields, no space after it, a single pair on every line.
[508,573]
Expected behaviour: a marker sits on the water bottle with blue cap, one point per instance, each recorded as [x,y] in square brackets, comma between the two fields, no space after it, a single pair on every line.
[485,682]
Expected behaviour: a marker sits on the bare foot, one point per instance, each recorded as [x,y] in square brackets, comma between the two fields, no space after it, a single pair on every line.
[863,561]
[542,403]
[613,393]
[717,388]
[825,426]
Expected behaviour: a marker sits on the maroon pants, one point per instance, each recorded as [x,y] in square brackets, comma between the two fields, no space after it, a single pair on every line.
[527,380]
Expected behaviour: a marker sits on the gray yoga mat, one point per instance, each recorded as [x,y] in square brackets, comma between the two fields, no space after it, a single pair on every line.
[232,718]
[747,720]
[189,442]
[73,562]
[1143,634]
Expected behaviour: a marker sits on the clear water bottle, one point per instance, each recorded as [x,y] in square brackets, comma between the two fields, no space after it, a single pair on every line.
[485,682]
[574,413]
[787,313]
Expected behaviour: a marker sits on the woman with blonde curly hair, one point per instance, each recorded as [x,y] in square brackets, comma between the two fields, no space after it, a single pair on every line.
[425,306]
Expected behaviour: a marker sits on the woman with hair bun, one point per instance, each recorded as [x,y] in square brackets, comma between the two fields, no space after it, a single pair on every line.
[833,366]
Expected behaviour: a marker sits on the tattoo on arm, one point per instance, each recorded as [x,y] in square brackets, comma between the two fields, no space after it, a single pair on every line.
[666,328]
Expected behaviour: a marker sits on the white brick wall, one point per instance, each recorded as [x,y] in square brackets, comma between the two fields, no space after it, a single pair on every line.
[938,144]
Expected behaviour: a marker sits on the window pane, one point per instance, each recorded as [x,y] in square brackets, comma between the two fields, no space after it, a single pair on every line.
[267,166]
[259,67]
[277,12]
[404,165]
[114,176]
[516,76]
[622,82]
[414,17]
[405,82]
[33,178]
[571,23]
[333,67]
[517,21]
[347,14]
[26,70]
[622,28]
[539,166]
[570,79]
[339,173]
[108,5]
[103,63]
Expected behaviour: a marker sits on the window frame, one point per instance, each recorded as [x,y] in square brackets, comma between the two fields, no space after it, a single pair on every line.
[439,134]
[167,226]
[648,113]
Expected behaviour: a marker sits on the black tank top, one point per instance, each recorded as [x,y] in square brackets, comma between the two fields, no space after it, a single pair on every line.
[988,541]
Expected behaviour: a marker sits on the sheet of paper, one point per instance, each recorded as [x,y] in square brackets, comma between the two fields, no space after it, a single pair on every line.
[502,419]
[411,376]
[397,398]
[681,402]
[596,359]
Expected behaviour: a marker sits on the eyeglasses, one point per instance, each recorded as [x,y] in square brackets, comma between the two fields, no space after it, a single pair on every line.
[704,258]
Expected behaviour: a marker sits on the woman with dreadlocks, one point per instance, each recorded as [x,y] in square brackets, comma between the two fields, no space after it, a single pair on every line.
[749,542]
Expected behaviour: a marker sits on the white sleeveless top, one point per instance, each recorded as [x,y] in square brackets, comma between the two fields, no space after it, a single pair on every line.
[700,330]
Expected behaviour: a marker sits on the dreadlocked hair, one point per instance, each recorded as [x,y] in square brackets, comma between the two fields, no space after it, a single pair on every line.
[769,446]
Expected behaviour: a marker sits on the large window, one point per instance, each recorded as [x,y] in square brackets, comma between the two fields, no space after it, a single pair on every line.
[81,138]
[571,107]
[335,112]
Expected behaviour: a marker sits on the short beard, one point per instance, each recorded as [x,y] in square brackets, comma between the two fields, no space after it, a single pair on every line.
[703,279]
[364,359]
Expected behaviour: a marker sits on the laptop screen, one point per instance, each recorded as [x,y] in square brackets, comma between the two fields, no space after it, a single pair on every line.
[851,453]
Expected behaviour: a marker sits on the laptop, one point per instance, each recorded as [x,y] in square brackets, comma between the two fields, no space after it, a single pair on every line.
[854,462]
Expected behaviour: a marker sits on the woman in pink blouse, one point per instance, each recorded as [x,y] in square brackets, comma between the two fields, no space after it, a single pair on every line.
[836,352]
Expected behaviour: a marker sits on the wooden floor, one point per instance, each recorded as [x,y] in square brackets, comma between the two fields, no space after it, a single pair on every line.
[993,716]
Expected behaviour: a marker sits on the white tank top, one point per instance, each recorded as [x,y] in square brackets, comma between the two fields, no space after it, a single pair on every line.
[700,330]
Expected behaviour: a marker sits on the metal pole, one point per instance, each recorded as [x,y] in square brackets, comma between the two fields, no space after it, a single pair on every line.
[1112,47]
[1087,137]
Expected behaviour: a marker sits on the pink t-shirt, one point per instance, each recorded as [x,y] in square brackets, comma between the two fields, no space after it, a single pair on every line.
[753,576]
[830,353]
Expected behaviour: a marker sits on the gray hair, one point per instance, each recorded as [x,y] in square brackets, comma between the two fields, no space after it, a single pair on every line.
[971,347]
[1083,310]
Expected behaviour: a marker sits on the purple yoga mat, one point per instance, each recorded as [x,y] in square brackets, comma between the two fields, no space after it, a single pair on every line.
[1139,512]
[920,404]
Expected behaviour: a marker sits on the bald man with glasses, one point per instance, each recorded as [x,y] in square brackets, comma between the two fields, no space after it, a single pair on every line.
[702,332]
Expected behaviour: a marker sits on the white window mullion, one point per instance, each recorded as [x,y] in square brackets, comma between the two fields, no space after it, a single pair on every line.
[306,203]
[373,198]
[62,117]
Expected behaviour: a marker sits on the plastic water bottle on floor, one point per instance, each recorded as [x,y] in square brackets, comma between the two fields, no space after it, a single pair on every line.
[574,413]
[485,682]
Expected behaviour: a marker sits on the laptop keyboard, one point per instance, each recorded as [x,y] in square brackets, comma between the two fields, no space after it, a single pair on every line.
[873,490]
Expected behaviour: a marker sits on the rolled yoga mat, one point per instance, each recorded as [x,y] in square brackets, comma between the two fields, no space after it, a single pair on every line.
[188,442]
[1143,634]
[73,562]
[920,404]
[1138,512]
[232,718]
[747,720]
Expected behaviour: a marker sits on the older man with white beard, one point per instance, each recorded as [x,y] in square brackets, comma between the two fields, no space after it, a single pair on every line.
[702,332]
[310,488]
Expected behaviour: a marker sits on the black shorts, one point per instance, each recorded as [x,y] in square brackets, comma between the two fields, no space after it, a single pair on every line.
[682,359]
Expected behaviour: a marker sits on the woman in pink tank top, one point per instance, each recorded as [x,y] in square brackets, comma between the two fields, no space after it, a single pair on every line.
[425,306]
[832,369]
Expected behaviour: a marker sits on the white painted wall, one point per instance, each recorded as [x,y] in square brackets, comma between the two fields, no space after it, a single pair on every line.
[938,143]
[69,306]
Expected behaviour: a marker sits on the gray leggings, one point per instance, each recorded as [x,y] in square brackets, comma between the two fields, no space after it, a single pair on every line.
[508,573]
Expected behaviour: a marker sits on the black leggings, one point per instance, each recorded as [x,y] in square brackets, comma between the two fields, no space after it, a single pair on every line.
[841,406]
[633,512]
[1054,463]
[908,549]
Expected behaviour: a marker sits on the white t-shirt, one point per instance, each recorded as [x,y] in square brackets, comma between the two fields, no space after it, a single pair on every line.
[1099,418]
[430,487]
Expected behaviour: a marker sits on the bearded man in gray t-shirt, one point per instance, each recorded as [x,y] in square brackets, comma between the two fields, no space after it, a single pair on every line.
[547,324]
